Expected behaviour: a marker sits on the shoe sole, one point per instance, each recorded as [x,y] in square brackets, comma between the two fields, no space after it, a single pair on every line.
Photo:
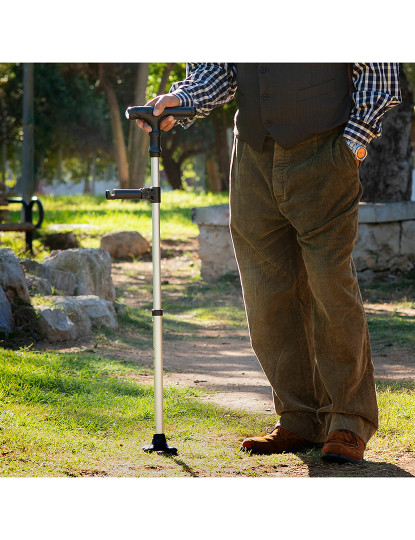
[332,457]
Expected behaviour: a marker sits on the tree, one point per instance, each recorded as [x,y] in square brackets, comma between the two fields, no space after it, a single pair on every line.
[138,140]
[105,75]
[386,173]
[28,173]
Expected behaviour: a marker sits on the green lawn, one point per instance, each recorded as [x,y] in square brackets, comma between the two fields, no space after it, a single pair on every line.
[83,415]
[92,216]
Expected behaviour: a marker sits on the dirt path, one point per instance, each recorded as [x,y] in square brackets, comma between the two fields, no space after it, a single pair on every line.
[226,364]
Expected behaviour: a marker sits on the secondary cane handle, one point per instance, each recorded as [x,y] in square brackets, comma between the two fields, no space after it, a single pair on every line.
[146,113]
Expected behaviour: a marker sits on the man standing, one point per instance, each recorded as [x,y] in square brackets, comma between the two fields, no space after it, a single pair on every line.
[301,131]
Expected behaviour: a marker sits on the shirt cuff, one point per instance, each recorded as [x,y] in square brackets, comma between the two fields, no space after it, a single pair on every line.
[359,132]
[184,98]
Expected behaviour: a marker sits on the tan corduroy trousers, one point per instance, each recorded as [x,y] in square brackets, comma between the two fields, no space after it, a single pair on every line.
[294,216]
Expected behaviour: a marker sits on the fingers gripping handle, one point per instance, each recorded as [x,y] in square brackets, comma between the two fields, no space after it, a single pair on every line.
[146,114]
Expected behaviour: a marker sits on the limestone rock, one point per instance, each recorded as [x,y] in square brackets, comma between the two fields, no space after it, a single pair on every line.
[66,318]
[38,285]
[54,325]
[91,269]
[12,278]
[62,281]
[376,246]
[100,312]
[125,244]
[75,312]
[63,240]
[6,317]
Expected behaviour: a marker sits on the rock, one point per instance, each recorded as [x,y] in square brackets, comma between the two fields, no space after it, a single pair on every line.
[38,285]
[54,325]
[75,312]
[63,282]
[6,317]
[120,309]
[100,312]
[12,278]
[64,240]
[91,269]
[408,239]
[377,246]
[66,318]
[215,243]
[125,244]
[366,277]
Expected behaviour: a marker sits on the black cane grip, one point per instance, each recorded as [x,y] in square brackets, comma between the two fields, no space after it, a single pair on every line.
[146,113]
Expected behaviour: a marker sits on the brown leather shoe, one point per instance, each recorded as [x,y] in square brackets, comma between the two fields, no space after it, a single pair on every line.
[343,446]
[278,441]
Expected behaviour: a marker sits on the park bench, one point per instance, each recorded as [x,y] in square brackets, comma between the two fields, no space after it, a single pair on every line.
[26,225]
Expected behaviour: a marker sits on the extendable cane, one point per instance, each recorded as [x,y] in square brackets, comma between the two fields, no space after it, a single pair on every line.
[153,195]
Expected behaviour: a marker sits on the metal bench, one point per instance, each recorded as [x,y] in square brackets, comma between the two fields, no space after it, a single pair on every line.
[27,226]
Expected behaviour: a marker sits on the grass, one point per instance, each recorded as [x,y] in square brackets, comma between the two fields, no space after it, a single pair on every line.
[392,329]
[92,216]
[84,415]
[88,414]
[74,415]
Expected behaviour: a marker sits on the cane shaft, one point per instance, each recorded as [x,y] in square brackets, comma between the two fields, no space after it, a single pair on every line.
[157,320]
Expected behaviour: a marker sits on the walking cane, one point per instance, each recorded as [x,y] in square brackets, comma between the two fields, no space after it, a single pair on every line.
[153,195]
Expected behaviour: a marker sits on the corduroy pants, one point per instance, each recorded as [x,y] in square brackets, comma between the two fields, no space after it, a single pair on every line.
[294,216]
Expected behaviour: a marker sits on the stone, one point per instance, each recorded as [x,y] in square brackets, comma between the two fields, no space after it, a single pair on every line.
[63,282]
[54,325]
[63,240]
[38,285]
[125,244]
[376,246]
[74,310]
[66,318]
[216,252]
[120,308]
[386,212]
[12,278]
[6,317]
[408,239]
[90,267]
[100,312]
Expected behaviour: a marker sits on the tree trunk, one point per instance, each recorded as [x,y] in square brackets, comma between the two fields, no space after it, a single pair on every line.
[165,78]
[222,149]
[212,172]
[117,132]
[138,140]
[28,159]
[386,173]
[172,169]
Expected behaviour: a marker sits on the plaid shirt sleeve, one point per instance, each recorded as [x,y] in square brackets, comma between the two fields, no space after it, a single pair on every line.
[205,87]
[376,90]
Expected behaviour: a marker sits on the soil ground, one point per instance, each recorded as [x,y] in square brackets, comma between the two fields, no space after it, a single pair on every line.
[223,362]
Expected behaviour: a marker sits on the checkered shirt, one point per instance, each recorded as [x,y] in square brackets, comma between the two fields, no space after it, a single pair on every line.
[376,90]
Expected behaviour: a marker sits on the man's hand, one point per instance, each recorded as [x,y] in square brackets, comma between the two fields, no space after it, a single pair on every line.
[160,103]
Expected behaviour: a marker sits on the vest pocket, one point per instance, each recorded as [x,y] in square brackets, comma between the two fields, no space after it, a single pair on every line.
[316,90]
